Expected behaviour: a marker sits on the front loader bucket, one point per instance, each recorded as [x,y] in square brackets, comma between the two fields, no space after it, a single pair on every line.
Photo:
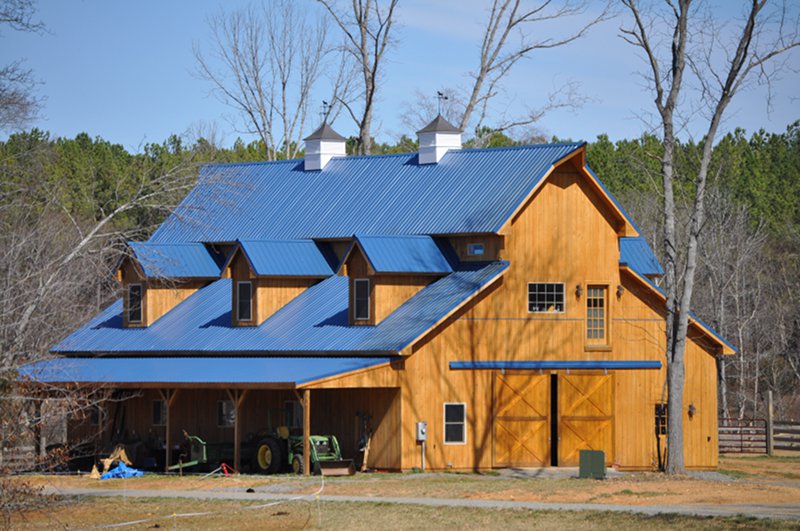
[345,467]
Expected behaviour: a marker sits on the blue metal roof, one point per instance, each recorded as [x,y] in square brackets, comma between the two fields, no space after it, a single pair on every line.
[403,254]
[286,258]
[637,254]
[468,191]
[194,370]
[552,365]
[315,322]
[175,260]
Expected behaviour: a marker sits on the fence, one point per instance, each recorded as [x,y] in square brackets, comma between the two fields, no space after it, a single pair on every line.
[742,436]
[786,435]
[17,459]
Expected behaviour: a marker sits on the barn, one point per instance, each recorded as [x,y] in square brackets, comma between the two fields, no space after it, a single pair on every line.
[502,297]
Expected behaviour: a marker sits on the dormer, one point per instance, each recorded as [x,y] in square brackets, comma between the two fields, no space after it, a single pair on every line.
[637,254]
[436,139]
[267,274]
[321,146]
[156,278]
[386,271]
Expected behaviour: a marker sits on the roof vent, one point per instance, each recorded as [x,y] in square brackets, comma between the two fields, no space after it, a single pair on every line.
[436,138]
[321,146]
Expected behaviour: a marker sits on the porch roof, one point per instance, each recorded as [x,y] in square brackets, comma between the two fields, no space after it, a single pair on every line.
[195,371]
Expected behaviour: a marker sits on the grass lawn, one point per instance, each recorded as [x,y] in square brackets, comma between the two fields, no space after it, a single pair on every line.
[153,513]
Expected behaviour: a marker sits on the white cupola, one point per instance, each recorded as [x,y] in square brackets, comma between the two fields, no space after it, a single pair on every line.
[321,146]
[436,138]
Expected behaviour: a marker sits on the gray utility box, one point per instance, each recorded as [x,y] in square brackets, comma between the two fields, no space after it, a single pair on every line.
[592,464]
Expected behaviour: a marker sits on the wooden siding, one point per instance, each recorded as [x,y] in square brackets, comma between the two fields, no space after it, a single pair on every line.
[565,234]
[275,293]
[391,291]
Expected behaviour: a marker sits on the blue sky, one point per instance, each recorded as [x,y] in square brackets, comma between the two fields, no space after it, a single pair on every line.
[124,71]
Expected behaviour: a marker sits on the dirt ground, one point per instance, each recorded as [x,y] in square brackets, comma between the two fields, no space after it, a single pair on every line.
[755,480]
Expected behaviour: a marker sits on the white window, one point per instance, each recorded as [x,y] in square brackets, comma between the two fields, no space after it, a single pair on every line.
[545,297]
[244,302]
[361,299]
[159,413]
[226,413]
[135,303]
[455,423]
[475,249]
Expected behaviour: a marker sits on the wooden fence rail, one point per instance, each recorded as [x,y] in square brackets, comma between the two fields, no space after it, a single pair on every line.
[742,436]
[786,435]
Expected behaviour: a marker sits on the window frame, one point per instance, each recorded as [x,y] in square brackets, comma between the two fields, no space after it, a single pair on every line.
[129,312]
[563,297]
[162,412]
[463,423]
[221,413]
[239,284]
[356,282]
[476,249]
[605,340]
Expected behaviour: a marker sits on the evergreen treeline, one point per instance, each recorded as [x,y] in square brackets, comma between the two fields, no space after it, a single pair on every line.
[59,195]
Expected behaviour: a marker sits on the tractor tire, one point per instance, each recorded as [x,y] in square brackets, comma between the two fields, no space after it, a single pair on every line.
[297,464]
[268,457]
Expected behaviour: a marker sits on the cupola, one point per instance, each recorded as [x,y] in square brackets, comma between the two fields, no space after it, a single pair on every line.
[321,146]
[436,138]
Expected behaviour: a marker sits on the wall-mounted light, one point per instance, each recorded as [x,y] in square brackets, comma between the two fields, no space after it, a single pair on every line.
[578,291]
[692,410]
[620,291]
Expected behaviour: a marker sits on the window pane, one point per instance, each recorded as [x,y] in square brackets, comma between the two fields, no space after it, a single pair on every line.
[135,303]
[454,433]
[245,300]
[454,413]
[361,299]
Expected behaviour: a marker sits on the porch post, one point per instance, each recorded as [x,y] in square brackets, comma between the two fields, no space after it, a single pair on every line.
[306,432]
[237,397]
[168,396]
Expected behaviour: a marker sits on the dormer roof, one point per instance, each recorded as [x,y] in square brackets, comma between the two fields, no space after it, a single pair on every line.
[325,132]
[295,258]
[174,260]
[637,254]
[401,254]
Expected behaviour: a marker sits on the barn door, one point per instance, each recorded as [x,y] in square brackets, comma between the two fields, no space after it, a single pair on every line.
[521,420]
[585,403]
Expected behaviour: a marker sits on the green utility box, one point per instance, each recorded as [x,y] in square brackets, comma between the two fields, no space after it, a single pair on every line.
[592,464]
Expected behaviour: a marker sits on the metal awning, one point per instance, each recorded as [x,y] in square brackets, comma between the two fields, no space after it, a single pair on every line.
[198,371]
[550,365]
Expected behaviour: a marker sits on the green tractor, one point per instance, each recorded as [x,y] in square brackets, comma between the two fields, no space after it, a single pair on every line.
[279,452]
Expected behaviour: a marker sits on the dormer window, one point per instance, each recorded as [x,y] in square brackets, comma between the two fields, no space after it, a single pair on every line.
[475,249]
[244,297]
[361,299]
[135,292]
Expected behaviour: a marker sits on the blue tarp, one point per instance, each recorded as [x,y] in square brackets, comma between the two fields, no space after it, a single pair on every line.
[122,471]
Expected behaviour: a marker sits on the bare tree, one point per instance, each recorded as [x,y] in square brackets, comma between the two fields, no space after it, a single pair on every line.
[18,103]
[266,62]
[367,32]
[508,38]
[762,36]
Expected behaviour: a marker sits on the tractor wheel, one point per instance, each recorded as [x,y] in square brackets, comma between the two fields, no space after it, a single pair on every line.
[268,457]
[297,464]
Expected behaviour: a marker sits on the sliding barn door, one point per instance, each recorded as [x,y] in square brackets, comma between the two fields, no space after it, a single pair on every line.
[586,419]
[521,420]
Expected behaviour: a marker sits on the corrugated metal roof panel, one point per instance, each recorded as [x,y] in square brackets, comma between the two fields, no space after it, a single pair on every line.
[404,254]
[548,365]
[468,191]
[194,370]
[286,257]
[314,322]
[637,254]
[175,260]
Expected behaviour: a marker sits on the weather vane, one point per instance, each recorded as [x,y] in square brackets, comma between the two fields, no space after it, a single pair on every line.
[323,113]
[442,98]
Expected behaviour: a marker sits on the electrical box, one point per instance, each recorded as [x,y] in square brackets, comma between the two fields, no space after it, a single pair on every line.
[592,464]
[422,431]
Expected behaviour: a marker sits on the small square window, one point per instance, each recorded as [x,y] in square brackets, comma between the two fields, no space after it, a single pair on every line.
[159,413]
[475,249]
[226,413]
[455,423]
[661,419]
[244,303]
[545,297]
